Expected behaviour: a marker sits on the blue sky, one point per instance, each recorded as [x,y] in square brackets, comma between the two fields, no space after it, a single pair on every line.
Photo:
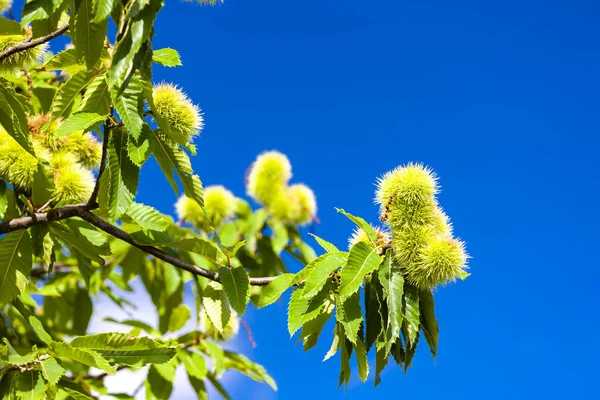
[500,99]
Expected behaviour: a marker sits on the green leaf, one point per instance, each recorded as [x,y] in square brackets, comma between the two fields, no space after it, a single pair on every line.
[362,224]
[159,386]
[321,269]
[13,115]
[149,237]
[38,9]
[363,259]
[381,361]
[43,185]
[9,27]
[374,308]
[103,9]
[273,291]
[302,310]
[39,330]
[360,353]
[135,324]
[411,321]
[328,247]
[179,316]
[4,193]
[429,323]
[338,332]
[81,355]
[194,363]
[345,371]
[52,370]
[171,158]
[88,37]
[213,380]
[199,387]
[72,389]
[392,283]
[125,349]
[122,176]
[30,385]
[236,283]
[167,57]
[128,105]
[199,246]
[15,264]
[349,314]
[79,122]
[141,148]
[96,98]
[66,60]
[252,370]
[216,305]
[312,329]
[83,237]
[147,217]
[68,92]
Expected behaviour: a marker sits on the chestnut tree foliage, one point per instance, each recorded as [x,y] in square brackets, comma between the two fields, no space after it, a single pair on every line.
[76,128]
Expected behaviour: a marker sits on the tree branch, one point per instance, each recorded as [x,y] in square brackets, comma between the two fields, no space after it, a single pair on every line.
[28,43]
[83,211]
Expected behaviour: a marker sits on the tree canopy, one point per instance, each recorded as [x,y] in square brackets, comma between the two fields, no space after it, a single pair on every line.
[76,128]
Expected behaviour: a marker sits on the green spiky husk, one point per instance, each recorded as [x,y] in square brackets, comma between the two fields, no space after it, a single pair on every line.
[178,110]
[268,177]
[219,203]
[18,60]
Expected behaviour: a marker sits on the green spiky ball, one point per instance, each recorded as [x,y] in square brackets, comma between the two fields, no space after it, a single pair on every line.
[177,109]
[268,177]
[17,166]
[439,261]
[18,60]
[359,235]
[189,210]
[219,203]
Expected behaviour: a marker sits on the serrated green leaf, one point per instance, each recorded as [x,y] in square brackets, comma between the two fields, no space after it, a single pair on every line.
[172,158]
[216,305]
[337,339]
[52,370]
[122,175]
[43,185]
[392,283]
[83,237]
[128,105]
[429,323]
[103,9]
[15,264]
[96,98]
[39,330]
[141,148]
[363,259]
[273,291]
[178,318]
[147,217]
[30,385]
[149,237]
[4,193]
[9,27]
[194,363]
[72,389]
[66,60]
[321,268]
[252,370]
[374,310]
[38,9]
[68,92]
[81,355]
[381,361]
[125,349]
[167,57]
[345,370]
[362,224]
[302,310]
[311,330]
[411,322]
[79,122]
[159,384]
[135,324]
[217,385]
[328,247]
[13,115]
[88,37]
[236,283]
[199,246]
[349,314]
[360,352]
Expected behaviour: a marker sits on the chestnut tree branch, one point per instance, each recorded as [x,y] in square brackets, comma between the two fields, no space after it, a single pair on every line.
[28,43]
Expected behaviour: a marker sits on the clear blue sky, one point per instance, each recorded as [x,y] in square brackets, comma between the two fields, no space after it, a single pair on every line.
[500,99]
